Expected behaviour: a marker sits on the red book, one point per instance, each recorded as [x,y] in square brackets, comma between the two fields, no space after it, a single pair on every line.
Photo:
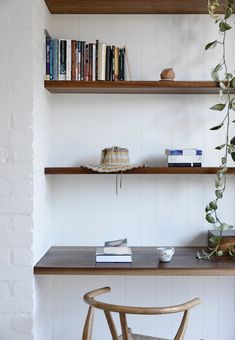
[73,56]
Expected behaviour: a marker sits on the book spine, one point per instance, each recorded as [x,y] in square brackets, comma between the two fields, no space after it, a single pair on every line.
[55,53]
[121,73]
[101,61]
[68,59]
[184,159]
[184,152]
[96,59]
[94,62]
[82,59]
[47,76]
[78,60]
[112,63]
[116,63]
[73,59]
[184,165]
[90,61]
[108,62]
[62,60]
[51,60]
[86,63]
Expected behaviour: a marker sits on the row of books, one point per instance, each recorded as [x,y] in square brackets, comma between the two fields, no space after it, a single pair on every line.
[184,157]
[78,60]
[114,251]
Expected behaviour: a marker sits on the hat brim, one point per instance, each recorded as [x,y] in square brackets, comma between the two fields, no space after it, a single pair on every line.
[112,168]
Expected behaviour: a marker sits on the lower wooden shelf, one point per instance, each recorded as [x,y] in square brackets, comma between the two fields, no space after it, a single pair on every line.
[81,261]
[138,171]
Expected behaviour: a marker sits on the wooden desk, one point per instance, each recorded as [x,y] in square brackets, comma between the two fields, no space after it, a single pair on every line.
[81,261]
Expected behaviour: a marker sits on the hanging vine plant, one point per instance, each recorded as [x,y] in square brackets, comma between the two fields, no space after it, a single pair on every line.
[226,81]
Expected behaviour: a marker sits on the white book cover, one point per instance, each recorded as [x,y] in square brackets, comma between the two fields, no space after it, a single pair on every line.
[102,257]
[101,61]
[68,60]
[117,251]
[184,159]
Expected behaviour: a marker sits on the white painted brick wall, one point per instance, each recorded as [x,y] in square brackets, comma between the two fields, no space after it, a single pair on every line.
[16,169]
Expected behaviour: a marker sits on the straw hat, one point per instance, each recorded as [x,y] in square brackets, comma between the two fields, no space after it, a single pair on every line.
[114,159]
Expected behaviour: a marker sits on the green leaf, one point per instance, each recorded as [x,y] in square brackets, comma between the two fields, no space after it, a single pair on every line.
[210,218]
[231,251]
[232,104]
[207,209]
[217,68]
[233,121]
[218,107]
[225,226]
[219,253]
[232,82]
[215,239]
[231,148]
[222,85]
[211,45]
[229,76]
[218,193]
[233,156]
[228,13]
[217,127]
[213,205]
[224,26]
[232,141]
[220,147]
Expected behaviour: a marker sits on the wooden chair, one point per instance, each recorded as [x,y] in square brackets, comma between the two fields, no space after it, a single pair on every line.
[123,310]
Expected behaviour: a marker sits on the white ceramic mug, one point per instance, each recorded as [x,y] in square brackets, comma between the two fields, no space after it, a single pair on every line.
[165,253]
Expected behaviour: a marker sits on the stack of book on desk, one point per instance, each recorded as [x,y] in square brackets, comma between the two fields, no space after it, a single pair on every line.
[114,251]
[184,157]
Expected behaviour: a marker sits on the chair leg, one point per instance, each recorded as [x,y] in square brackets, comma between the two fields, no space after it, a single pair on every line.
[182,329]
[87,330]
[111,325]
[124,326]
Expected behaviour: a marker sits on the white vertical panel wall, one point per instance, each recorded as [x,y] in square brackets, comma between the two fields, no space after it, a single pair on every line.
[150,210]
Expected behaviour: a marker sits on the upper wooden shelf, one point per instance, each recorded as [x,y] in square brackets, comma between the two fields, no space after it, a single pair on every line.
[81,261]
[129,87]
[146,171]
[127,6]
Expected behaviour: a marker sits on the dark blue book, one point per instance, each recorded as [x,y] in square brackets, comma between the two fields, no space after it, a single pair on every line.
[55,58]
[48,39]
[62,59]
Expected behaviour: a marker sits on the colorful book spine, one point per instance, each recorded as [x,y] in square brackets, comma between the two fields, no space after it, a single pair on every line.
[48,39]
[121,73]
[86,62]
[184,165]
[185,152]
[116,63]
[108,63]
[101,61]
[82,59]
[112,64]
[55,58]
[78,60]
[73,59]
[68,59]
[96,59]
[90,61]
[62,60]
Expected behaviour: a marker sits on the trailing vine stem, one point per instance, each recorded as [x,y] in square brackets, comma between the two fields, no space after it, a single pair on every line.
[227,81]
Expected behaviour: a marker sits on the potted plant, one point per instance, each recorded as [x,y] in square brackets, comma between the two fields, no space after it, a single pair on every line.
[226,105]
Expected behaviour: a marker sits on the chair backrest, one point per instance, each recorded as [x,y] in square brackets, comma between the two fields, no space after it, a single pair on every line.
[123,310]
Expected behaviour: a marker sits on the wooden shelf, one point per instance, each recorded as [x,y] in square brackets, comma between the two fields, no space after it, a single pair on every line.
[81,261]
[138,171]
[127,6]
[133,87]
